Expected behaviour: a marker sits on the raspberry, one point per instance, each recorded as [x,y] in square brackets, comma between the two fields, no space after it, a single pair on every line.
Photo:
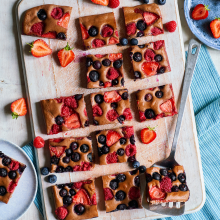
[57,13]
[65,111]
[87,181]
[142,116]
[107,84]
[128,131]
[116,33]
[77,168]
[97,111]
[138,10]
[55,129]
[127,114]
[11,186]
[112,158]
[131,29]
[156,31]
[113,40]
[14,165]
[37,28]
[166,185]
[158,44]
[112,73]
[112,115]
[70,102]
[78,185]
[108,194]
[171,26]
[38,142]
[107,31]
[61,213]
[114,3]
[58,140]
[98,43]
[134,193]
[86,166]
[88,79]
[130,150]
[149,55]
[93,199]
[100,55]
[85,112]
[59,100]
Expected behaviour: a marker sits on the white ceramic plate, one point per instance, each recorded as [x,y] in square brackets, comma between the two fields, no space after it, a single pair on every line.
[26,190]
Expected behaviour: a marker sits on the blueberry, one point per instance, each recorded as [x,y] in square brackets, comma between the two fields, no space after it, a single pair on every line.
[68,151]
[149,114]
[120,177]
[131,159]
[163,172]
[100,151]
[42,14]
[123,141]
[135,164]
[94,76]
[140,34]
[132,140]
[137,74]
[182,177]
[120,151]
[44,171]
[122,81]
[75,157]
[161,70]
[141,46]
[93,31]
[63,192]
[117,64]
[124,96]
[158,58]
[74,145]
[133,204]
[101,83]
[114,82]
[59,120]
[141,25]
[60,186]
[114,105]
[59,169]
[89,62]
[54,160]
[148,97]
[72,192]
[1,155]
[159,94]
[106,62]
[131,55]
[121,207]
[145,1]
[137,57]
[97,64]
[79,209]
[86,123]
[84,148]
[66,159]
[95,122]
[68,169]
[183,187]
[134,41]
[3,191]
[137,181]
[172,176]
[102,139]
[70,185]
[6,161]
[161,2]
[78,96]
[113,184]
[124,41]
[105,149]
[67,200]
[99,99]
[142,169]
[12,174]
[148,178]
[89,157]
[61,36]
[21,169]
[3,172]
[120,195]
[121,118]
[175,189]
[52,178]
[156,176]
[133,172]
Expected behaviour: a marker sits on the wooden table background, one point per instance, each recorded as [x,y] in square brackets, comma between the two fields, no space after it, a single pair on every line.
[12,83]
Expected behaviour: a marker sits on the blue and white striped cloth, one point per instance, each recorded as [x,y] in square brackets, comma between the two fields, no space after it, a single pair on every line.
[205,91]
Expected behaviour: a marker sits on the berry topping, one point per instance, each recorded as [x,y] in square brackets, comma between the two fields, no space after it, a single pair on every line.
[135,164]
[89,157]
[3,172]
[182,177]
[148,97]
[120,195]
[114,3]
[158,58]
[161,70]
[38,142]
[133,204]
[149,55]
[167,106]
[108,194]
[113,40]
[101,2]
[67,200]
[112,137]
[61,213]
[140,34]
[64,21]
[94,76]
[142,169]
[74,145]
[112,96]
[54,160]
[132,140]
[99,98]
[124,96]
[97,111]
[78,185]
[93,199]
[59,120]
[172,176]
[82,197]
[18,108]
[166,185]
[123,141]
[121,207]
[14,165]
[115,56]
[156,194]
[159,94]
[156,31]
[102,139]
[114,82]
[124,41]
[105,150]
[120,152]
[52,178]
[141,25]
[112,73]
[63,192]
[84,148]
[57,13]
[117,64]
[137,181]
[137,57]
[73,121]
[114,105]
[134,193]
[12,174]
[84,32]
[107,31]
[128,131]
[42,14]
[6,161]
[134,41]
[106,62]
[171,26]
[37,28]
[150,68]
[107,84]
[163,172]
[70,102]
[150,18]
[112,158]
[158,44]
[97,64]
[89,62]
[175,189]
[3,191]
[200,12]
[183,187]
[66,56]
[148,178]
[44,171]
[121,119]
[131,29]
[137,74]
[148,135]
[156,176]
[113,184]
[79,209]
[112,115]
[75,157]
[120,178]
[61,36]
[95,122]
[127,114]
[149,114]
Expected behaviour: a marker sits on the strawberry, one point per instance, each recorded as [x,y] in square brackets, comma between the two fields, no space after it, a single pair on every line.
[148,135]
[113,40]
[114,3]
[112,73]
[73,121]
[57,151]
[107,84]
[14,165]
[167,106]
[40,48]
[150,68]
[52,34]
[100,55]
[101,2]
[64,21]
[111,97]
[171,26]
[127,113]
[156,194]
[128,131]
[38,142]
[150,18]
[112,137]
[200,12]
[115,56]
[66,55]
[82,197]
[215,27]
[19,108]
[84,32]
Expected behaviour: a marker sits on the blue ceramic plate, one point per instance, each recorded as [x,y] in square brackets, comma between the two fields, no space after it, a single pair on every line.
[201,29]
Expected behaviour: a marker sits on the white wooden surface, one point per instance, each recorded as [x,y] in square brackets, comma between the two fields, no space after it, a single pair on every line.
[12,86]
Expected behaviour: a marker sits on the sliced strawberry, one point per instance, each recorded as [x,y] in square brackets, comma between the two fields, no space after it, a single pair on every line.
[101,2]
[82,197]
[112,137]
[55,129]
[150,68]
[40,48]
[11,187]
[73,121]
[113,40]
[156,194]
[52,34]
[93,199]
[127,113]
[64,21]
[128,131]
[111,97]
[112,73]
[14,165]
[78,185]
[84,32]
[107,84]
[148,135]
[200,12]
[167,106]
[57,151]
[115,56]
[19,108]
[150,18]
[66,55]
[215,27]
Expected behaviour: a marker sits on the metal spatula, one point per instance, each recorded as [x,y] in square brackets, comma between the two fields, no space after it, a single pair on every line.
[176,208]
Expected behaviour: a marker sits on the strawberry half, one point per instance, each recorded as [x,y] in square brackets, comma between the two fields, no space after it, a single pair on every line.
[215,27]
[112,137]
[150,68]
[82,197]
[200,12]
[64,21]
[115,56]
[66,55]
[101,2]
[148,135]
[72,121]
[39,48]
[167,106]
[57,151]
[150,18]
[156,194]
[19,108]
[84,32]
[111,97]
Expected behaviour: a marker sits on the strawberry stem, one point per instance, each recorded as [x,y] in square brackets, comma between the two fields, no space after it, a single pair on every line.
[216,18]
[67,47]
[152,129]
[207,7]
[14,115]
[31,45]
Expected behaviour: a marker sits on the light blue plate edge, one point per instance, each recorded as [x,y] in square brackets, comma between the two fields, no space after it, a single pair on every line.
[188,19]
